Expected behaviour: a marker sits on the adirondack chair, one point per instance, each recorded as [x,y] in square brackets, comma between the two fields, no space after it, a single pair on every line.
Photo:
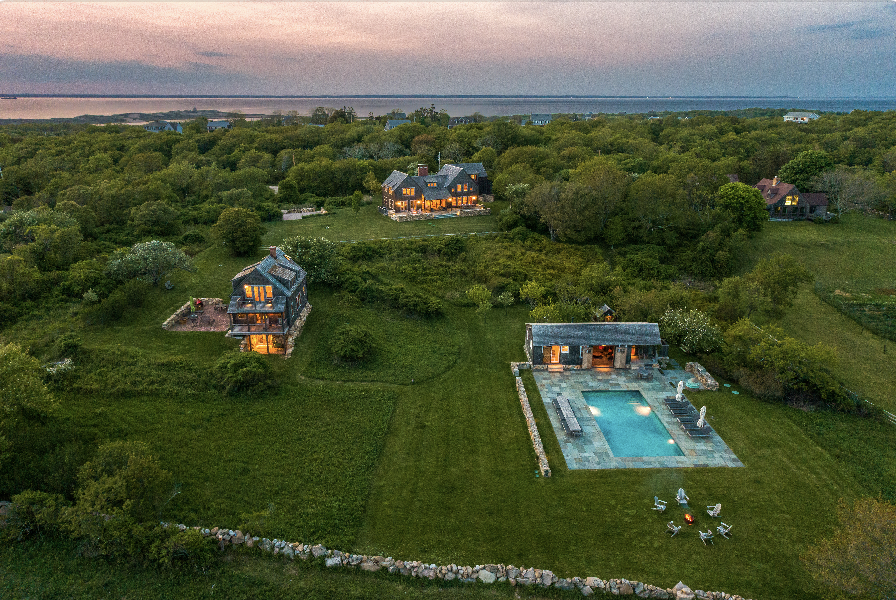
[714,511]
[673,528]
[724,530]
[658,504]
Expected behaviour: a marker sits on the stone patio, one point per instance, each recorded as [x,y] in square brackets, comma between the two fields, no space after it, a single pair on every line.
[591,451]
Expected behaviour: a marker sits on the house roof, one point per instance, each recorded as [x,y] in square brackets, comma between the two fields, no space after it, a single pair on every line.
[801,115]
[394,179]
[774,192]
[473,168]
[545,118]
[392,123]
[282,273]
[595,334]
[815,199]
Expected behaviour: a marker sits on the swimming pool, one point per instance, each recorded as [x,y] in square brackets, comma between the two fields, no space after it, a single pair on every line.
[629,424]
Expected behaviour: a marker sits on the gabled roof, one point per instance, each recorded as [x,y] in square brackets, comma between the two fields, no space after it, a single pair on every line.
[773,192]
[595,334]
[395,179]
[393,123]
[801,115]
[282,273]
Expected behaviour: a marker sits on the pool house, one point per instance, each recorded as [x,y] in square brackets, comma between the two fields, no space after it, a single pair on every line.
[594,345]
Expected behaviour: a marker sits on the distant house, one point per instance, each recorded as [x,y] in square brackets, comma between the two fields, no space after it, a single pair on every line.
[590,345]
[267,299]
[393,123]
[222,124]
[454,186]
[163,126]
[455,121]
[784,201]
[540,119]
[799,117]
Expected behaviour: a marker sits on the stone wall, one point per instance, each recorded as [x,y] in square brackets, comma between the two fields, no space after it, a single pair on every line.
[543,467]
[184,311]
[296,330]
[424,216]
[702,375]
[487,574]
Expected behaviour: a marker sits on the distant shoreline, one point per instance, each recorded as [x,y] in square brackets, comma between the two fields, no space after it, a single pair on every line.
[448,96]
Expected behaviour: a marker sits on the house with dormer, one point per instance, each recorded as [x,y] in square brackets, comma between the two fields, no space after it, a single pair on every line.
[785,202]
[454,186]
[267,299]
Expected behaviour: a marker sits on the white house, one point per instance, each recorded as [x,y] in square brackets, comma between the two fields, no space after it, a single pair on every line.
[799,117]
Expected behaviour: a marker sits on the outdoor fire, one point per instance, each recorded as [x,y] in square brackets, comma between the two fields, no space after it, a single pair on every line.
[689,519]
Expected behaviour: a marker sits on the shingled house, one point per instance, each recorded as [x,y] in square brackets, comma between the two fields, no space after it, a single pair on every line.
[784,201]
[588,345]
[454,186]
[267,298]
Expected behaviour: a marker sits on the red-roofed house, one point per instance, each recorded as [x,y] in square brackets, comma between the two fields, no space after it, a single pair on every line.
[785,201]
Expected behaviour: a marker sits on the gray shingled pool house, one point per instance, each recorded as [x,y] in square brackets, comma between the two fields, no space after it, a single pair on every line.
[590,345]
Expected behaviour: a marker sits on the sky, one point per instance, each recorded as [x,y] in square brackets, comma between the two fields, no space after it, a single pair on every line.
[807,49]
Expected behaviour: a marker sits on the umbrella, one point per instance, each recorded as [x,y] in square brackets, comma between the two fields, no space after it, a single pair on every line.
[701,422]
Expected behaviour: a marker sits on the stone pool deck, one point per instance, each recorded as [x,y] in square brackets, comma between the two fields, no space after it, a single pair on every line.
[591,451]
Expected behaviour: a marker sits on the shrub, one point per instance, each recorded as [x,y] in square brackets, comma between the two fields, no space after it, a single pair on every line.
[129,296]
[175,548]
[240,230]
[352,343]
[691,330]
[240,371]
[480,296]
[67,344]
[319,257]
[33,513]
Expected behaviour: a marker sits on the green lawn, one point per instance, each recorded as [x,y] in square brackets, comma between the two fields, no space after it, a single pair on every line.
[857,256]
[343,224]
[423,453]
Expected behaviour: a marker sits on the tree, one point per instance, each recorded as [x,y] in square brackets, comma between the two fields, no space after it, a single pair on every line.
[288,193]
[155,218]
[860,557]
[692,330]
[151,261]
[745,205]
[852,189]
[239,229]
[802,170]
[23,395]
[318,256]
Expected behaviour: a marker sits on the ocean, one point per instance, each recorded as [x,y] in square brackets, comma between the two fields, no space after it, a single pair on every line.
[69,107]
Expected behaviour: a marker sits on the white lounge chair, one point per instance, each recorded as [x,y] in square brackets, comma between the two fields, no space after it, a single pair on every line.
[658,504]
[706,537]
[681,497]
[671,526]
[714,511]
[724,530]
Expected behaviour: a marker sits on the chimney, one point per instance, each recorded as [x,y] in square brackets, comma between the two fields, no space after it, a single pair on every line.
[422,170]
[776,181]
[273,251]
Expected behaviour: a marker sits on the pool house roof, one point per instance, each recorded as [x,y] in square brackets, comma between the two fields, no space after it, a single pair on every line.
[595,334]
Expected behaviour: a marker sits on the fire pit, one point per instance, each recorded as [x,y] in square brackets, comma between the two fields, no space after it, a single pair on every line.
[689,518]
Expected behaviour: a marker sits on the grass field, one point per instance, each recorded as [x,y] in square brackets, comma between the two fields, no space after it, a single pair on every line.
[857,256]
[423,454]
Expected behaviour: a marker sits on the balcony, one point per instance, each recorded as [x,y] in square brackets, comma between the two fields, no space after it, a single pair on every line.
[241,306]
[278,328]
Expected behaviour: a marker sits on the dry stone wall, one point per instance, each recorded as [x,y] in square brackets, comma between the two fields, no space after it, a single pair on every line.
[543,467]
[486,574]
[702,375]
[184,311]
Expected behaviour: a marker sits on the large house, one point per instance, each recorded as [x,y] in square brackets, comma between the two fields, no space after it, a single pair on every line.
[267,299]
[163,126]
[393,123]
[540,119]
[799,117]
[454,186]
[220,124]
[784,201]
[594,345]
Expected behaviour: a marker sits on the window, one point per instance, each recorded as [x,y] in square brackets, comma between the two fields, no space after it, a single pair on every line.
[258,292]
[473,176]
[790,201]
[564,349]
[407,191]
[466,188]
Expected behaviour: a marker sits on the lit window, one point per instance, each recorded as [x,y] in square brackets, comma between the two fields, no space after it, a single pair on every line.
[269,291]
[564,349]
[473,176]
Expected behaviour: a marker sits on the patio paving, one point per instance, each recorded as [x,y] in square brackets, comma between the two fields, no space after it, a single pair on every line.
[591,451]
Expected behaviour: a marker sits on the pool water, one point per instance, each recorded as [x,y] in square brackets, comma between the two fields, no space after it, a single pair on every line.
[629,424]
